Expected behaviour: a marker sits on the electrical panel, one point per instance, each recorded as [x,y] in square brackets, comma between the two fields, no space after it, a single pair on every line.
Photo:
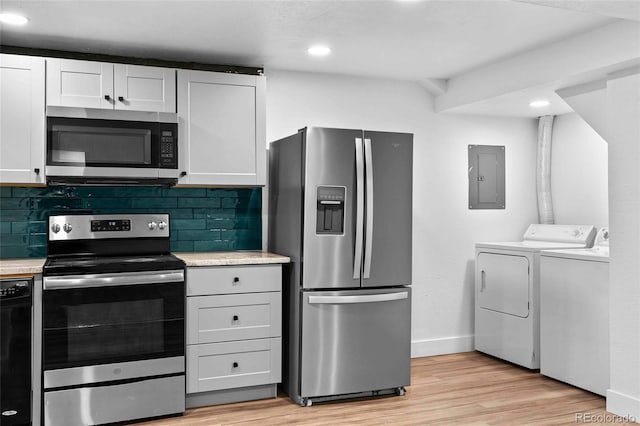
[486,177]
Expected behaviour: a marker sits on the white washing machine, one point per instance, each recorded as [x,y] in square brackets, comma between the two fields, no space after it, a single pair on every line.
[507,311]
[574,315]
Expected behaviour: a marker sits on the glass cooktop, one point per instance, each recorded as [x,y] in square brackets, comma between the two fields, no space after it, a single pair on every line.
[83,265]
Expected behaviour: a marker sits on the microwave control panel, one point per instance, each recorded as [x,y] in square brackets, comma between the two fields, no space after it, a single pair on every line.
[168,147]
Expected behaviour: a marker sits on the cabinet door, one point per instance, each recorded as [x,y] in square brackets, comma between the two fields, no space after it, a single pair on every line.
[230,365]
[79,83]
[22,137]
[230,317]
[208,280]
[222,128]
[144,88]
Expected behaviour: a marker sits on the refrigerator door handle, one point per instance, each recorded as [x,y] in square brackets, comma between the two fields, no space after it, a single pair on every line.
[366,298]
[357,256]
[368,239]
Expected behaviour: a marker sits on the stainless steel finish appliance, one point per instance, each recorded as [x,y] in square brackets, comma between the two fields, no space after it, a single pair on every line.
[15,351]
[87,146]
[113,320]
[340,208]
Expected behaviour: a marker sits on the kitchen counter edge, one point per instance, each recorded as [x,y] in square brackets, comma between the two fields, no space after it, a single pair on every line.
[11,267]
[229,258]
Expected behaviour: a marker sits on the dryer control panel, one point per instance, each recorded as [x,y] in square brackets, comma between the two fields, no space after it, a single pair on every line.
[572,234]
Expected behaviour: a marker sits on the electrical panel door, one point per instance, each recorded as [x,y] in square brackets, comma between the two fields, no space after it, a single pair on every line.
[486,177]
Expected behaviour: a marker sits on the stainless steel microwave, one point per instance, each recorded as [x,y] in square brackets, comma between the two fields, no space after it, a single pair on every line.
[111,147]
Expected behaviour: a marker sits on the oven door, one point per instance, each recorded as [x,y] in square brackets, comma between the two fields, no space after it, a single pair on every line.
[112,318]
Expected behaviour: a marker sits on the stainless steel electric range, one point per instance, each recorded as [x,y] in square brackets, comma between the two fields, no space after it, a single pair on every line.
[113,320]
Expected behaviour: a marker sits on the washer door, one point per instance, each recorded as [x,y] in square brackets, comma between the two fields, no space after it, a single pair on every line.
[502,283]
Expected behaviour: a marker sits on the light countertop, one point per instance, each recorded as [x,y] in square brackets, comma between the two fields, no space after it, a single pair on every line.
[226,258]
[21,266]
[217,258]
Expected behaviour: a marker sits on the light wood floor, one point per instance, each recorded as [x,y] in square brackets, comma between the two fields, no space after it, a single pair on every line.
[459,389]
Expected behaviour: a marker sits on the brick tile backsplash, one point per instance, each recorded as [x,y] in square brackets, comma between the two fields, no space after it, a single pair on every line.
[202,219]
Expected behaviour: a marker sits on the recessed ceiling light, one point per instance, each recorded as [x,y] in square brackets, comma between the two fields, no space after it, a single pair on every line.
[318,50]
[13,18]
[541,103]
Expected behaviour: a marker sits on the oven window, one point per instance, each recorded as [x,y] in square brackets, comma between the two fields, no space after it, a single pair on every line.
[88,146]
[102,325]
[121,323]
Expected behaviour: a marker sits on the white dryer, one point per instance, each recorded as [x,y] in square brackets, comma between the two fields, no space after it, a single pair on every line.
[507,311]
[574,315]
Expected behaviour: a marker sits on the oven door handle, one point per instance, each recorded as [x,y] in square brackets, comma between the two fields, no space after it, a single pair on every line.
[107,280]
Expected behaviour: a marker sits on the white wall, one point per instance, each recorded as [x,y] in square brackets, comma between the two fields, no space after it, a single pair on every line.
[612,106]
[578,173]
[444,230]
[623,134]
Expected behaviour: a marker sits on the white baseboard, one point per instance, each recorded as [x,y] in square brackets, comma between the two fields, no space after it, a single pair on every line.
[625,406]
[441,346]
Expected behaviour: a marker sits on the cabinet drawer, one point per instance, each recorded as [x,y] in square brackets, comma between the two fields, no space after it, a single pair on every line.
[228,365]
[233,317]
[233,279]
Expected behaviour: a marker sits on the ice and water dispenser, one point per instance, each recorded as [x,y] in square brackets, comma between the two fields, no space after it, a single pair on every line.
[330,210]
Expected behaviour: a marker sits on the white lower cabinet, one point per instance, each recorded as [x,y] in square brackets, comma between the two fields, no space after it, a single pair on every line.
[234,329]
[227,365]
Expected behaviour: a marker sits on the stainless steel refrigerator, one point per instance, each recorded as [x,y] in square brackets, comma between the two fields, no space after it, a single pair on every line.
[340,208]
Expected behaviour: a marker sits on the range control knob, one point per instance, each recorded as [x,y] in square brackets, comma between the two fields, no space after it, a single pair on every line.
[152,225]
[67,227]
[162,225]
[55,228]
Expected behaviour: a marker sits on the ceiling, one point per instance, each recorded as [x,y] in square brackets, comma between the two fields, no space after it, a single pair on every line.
[429,41]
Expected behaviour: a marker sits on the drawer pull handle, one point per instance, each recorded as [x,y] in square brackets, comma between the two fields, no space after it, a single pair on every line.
[236,280]
[235,318]
[235,365]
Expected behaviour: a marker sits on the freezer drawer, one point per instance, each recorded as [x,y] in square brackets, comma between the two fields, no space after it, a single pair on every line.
[355,341]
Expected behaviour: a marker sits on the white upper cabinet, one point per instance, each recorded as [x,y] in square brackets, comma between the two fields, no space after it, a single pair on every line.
[79,84]
[144,88]
[22,132]
[102,85]
[221,128]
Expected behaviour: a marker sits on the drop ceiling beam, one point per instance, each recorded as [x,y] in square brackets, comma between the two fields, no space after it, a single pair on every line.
[435,86]
[572,61]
